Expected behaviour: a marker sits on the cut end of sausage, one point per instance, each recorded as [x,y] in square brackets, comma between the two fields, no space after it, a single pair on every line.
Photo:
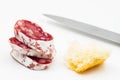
[40,60]
[30,62]
[32,30]
[13,40]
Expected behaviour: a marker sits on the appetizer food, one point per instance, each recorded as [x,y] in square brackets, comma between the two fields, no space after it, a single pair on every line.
[25,50]
[31,62]
[33,36]
[31,46]
[80,58]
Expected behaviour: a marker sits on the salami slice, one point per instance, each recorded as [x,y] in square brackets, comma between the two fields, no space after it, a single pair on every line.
[25,50]
[31,62]
[33,36]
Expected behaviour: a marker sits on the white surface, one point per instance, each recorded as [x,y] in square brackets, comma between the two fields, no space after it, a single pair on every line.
[102,13]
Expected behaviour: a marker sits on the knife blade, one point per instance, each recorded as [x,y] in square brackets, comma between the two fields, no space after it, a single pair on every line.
[87,28]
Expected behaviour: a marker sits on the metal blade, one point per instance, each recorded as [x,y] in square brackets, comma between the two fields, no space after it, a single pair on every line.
[86,28]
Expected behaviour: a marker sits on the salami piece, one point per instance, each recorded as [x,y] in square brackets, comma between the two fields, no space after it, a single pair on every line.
[33,63]
[31,46]
[25,50]
[33,36]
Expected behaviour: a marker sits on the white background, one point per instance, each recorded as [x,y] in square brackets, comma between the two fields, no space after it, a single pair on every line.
[101,13]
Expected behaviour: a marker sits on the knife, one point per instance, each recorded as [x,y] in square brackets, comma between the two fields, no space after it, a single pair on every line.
[87,28]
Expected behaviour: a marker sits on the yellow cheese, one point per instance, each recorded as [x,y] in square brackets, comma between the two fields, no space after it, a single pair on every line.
[83,57]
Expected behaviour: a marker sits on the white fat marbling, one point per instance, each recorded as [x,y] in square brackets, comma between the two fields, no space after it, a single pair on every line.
[29,52]
[44,45]
[26,61]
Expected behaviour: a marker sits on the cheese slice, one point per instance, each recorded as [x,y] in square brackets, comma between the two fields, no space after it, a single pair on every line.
[83,57]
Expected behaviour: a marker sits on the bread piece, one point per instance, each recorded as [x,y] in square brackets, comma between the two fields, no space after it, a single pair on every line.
[80,58]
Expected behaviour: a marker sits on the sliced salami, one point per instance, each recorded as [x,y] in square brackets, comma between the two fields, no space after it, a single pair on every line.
[31,62]
[25,50]
[31,46]
[33,36]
